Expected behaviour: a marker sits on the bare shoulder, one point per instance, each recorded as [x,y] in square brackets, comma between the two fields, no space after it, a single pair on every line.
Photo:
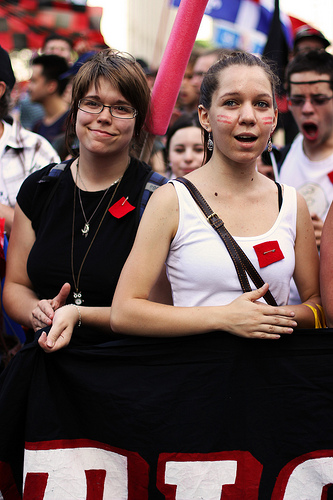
[302,208]
[161,213]
[163,199]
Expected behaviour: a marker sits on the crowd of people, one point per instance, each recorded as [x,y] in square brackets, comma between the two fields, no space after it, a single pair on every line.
[220,138]
[238,236]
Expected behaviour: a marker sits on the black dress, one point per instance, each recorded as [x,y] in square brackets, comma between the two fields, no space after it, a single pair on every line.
[49,261]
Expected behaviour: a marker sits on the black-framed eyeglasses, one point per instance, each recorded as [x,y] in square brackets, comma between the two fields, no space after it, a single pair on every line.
[117,110]
[316,100]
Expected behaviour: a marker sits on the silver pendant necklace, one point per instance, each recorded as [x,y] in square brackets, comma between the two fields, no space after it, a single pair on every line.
[86,227]
[77,294]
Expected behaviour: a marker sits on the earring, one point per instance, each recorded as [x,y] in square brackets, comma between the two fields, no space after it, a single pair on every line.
[210,143]
[269,145]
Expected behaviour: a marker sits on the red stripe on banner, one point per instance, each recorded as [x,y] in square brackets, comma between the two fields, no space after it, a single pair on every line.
[95,484]
[35,486]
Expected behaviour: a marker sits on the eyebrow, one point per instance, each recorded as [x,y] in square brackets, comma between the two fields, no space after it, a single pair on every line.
[97,98]
[259,96]
[183,144]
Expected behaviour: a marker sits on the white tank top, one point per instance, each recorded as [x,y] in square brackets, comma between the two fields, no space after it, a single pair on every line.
[200,269]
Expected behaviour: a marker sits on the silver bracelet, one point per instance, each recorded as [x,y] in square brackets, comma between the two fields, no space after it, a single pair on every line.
[80,317]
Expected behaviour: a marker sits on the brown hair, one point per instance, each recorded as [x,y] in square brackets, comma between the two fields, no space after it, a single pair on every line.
[124,73]
[211,81]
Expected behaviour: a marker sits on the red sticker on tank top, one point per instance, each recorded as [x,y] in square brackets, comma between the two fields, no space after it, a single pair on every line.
[330,176]
[268,253]
[121,208]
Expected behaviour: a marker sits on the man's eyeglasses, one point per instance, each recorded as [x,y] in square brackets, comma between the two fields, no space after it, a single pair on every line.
[117,111]
[316,100]
[199,74]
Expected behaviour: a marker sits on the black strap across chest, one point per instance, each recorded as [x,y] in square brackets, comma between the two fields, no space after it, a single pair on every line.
[242,263]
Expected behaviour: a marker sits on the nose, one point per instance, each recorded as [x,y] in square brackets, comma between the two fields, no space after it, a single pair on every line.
[307,106]
[188,155]
[247,114]
[105,114]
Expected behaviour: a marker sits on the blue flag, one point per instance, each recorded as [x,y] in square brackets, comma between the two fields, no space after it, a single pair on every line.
[243,24]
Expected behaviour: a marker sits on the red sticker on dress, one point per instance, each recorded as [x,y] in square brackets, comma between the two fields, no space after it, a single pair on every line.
[330,176]
[268,253]
[121,208]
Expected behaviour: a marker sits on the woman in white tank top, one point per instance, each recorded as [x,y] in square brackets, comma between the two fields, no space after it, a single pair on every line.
[238,114]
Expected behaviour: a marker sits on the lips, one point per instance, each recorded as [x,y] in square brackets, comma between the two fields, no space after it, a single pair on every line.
[310,131]
[100,132]
[246,138]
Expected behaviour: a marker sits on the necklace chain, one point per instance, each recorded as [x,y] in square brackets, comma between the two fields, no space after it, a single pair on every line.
[86,228]
[77,294]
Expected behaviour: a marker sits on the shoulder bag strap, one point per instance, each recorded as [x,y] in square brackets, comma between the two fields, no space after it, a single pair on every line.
[242,263]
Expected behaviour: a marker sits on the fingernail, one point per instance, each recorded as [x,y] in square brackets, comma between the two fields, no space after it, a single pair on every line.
[49,343]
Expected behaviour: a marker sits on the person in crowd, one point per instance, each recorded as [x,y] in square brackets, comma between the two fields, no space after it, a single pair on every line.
[148,71]
[69,242]
[47,88]
[238,113]
[326,268]
[265,162]
[187,100]
[58,45]
[307,164]
[202,65]
[21,151]
[308,38]
[32,112]
[184,150]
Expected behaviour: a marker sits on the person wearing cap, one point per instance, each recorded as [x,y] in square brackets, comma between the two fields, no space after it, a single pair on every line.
[308,38]
[47,88]
[21,151]
[307,163]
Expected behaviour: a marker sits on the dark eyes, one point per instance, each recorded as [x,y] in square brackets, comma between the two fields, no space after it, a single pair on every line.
[263,104]
[232,103]
[319,100]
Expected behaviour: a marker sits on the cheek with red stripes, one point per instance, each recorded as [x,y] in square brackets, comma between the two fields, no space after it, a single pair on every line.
[221,118]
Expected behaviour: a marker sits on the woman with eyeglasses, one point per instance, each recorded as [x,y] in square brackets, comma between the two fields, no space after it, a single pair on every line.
[72,232]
